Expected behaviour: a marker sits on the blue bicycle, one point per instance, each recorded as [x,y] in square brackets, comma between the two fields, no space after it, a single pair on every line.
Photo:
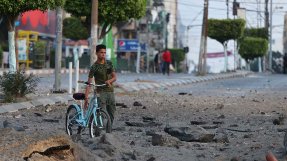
[96,118]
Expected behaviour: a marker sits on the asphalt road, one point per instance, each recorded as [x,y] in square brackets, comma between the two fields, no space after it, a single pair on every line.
[237,86]
[239,111]
[47,81]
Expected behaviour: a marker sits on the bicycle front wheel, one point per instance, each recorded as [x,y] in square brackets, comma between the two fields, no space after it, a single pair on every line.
[72,127]
[102,123]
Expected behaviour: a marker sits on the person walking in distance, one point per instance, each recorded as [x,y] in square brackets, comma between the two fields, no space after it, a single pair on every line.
[166,56]
[103,72]
[156,63]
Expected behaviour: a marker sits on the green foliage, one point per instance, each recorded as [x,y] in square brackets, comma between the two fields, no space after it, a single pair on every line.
[74,29]
[39,47]
[5,46]
[15,8]
[251,48]
[224,30]
[177,56]
[39,54]
[110,11]
[256,32]
[17,84]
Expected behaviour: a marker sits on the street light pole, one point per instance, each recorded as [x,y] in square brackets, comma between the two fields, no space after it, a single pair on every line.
[165,30]
[227,6]
[270,41]
[265,58]
[147,49]
[139,49]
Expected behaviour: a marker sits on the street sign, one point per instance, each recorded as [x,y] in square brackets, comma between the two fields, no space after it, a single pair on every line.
[130,45]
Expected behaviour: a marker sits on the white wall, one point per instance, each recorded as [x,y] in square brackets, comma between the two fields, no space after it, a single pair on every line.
[70,48]
[214,65]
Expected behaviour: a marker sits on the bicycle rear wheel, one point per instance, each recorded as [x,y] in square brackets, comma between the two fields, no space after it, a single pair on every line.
[72,126]
[102,123]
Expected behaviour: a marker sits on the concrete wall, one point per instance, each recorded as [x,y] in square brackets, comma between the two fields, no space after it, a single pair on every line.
[215,64]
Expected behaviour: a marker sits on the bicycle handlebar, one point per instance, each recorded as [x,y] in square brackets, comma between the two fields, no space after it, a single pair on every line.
[91,84]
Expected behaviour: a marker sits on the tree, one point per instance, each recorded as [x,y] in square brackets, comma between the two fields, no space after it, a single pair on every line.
[74,29]
[11,10]
[257,33]
[110,11]
[251,48]
[177,56]
[225,30]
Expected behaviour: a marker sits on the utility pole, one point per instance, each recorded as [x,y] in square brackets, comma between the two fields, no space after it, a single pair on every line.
[270,51]
[148,49]
[139,48]
[258,25]
[203,41]
[58,57]
[265,64]
[234,13]
[167,17]
[94,31]
[227,5]
[164,30]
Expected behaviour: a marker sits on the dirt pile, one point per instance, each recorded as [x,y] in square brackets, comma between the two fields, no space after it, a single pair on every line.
[41,147]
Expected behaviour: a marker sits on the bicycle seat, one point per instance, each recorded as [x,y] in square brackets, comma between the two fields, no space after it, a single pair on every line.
[79,96]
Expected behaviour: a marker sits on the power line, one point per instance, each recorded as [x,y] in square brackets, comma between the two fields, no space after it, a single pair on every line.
[245,2]
[215,8]
[196,6]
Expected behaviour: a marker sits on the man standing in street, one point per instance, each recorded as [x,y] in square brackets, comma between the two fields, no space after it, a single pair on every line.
[103,72]
[166,56]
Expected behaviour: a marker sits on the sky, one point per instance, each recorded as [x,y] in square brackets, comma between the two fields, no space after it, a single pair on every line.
[191,13]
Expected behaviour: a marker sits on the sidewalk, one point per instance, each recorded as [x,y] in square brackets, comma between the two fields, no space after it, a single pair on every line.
[45,71]
[126,83]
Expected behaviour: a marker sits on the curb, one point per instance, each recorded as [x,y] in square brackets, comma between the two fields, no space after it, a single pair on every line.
[48,71]
[126,87]
[52,100]
[138,86]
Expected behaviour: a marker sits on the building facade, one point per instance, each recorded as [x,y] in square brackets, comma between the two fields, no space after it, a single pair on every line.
[171,8]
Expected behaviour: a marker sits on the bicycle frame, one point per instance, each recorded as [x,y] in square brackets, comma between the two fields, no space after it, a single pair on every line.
[92,110]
